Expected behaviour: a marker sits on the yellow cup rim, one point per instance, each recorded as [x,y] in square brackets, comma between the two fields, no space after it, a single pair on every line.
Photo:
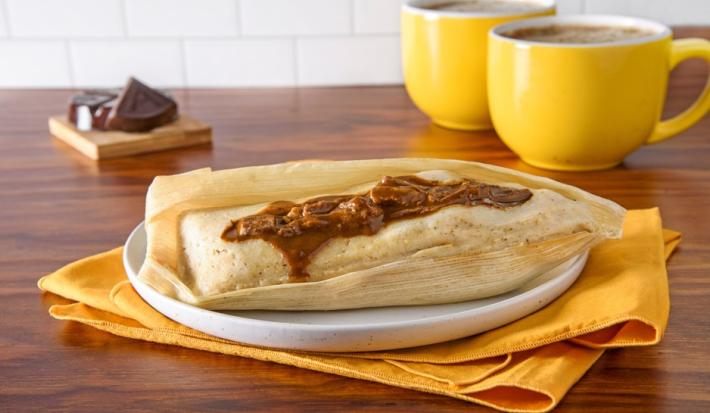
[417,7]
[661,31]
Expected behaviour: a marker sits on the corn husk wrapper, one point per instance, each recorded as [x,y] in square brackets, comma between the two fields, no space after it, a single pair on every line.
[414,281]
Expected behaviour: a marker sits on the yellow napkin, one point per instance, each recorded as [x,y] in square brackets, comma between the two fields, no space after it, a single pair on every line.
[621,299]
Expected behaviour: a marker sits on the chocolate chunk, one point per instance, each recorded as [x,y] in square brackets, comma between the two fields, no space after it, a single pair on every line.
[97,102]
[135,108]
[140,108]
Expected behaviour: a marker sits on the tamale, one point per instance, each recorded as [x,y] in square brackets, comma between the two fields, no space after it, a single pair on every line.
[208,244]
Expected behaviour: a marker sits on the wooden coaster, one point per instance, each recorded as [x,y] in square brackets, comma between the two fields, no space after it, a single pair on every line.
[96,144]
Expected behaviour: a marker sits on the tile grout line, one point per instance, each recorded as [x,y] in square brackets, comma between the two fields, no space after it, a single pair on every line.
[238,22]
[352,17]
[6,18]
[124,18]
[196,38]
[296,65]
[70,63]
[183,62]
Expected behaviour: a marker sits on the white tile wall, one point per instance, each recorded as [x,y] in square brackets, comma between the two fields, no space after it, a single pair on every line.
[295,17]
[214,43]
[376,16]
[570,6]
[3,20]
[38,64]
[253,62]
[65,18]
[667,11]
[349,60]
[181,18]
[109,62]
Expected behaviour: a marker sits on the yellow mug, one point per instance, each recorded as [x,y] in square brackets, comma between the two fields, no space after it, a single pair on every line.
[444,59]
[577,107]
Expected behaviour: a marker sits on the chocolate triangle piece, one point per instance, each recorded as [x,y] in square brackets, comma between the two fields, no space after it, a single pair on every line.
[140,108]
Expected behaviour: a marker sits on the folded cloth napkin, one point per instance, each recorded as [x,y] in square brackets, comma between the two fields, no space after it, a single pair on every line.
[620,299]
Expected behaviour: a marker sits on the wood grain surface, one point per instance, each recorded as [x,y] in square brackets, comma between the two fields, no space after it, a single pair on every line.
[57,206]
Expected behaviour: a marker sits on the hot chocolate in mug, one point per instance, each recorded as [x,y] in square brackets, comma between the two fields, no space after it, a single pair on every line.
[583,92]
[444,48]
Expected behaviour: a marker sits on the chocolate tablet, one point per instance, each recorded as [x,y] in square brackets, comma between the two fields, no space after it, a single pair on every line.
[135,108]
[141,108]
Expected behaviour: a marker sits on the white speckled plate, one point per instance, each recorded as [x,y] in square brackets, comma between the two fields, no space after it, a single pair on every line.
[356,330]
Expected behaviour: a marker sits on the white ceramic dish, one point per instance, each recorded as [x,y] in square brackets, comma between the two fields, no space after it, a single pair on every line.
[356,330]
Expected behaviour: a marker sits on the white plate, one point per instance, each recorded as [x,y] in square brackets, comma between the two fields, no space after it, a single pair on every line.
[356,330]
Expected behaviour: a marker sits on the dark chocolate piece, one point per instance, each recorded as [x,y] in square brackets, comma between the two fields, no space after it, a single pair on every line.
[98,102]
[135,108]
[140,108]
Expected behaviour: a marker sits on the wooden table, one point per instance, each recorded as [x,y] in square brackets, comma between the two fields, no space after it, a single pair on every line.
[57,206]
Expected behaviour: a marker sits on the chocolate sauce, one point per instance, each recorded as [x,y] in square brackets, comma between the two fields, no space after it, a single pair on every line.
[300,230]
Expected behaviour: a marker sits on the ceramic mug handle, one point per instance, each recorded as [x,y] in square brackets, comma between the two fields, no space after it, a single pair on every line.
[681,50]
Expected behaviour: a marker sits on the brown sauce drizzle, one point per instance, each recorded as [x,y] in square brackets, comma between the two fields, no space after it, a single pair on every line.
[300,230]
